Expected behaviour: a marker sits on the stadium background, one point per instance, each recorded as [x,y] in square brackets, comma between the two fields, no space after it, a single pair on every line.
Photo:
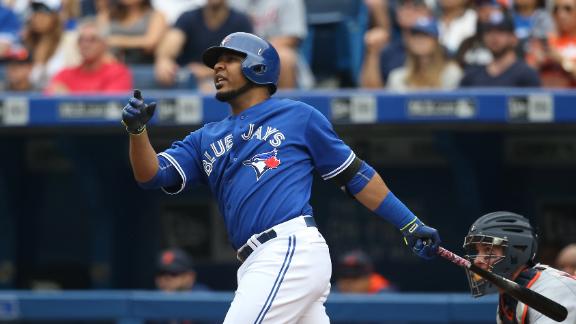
[72,217]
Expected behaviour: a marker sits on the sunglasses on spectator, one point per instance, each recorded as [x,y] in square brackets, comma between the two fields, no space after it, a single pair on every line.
[566,8]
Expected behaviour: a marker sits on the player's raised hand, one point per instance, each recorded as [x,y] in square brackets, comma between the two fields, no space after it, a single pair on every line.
[136,113]
[422,239]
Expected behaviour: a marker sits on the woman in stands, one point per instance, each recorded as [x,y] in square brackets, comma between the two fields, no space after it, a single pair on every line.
[135,30]
[426,66]
[50,45]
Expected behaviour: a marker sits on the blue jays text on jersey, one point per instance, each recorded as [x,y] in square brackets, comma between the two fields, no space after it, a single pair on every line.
[259,164]
[225,144]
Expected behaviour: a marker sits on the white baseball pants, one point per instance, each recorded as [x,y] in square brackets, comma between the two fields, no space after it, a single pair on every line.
[285,280]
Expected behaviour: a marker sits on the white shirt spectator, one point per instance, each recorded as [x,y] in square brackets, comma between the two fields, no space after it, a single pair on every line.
[172,9]
[273,18]
[450,78]
[452,35]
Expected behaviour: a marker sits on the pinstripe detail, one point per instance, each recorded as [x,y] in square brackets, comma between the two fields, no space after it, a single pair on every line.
[178,168]
[341,168]
[279,279]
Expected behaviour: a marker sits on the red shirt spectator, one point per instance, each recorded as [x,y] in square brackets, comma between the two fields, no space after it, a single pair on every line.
[109,77]
[98,72]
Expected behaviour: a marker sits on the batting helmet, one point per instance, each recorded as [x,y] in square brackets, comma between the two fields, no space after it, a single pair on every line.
[514,237]
[261,63]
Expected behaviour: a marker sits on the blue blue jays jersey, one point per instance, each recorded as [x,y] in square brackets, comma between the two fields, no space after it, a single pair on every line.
[259,164]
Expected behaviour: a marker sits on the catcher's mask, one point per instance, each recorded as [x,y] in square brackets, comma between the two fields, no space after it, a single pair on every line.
[500,242]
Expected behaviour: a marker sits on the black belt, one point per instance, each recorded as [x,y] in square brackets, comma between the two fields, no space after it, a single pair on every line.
[245,251]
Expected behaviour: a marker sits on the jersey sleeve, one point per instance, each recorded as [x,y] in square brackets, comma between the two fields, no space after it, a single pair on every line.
[184,155]
[330,155]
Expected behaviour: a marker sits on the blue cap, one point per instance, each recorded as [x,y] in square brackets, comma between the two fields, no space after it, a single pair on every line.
[426,25]
[499,20]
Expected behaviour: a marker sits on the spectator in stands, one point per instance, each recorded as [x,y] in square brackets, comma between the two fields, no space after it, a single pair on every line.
[9,29]
[382,57]
[193,32]
[98,72]
[176,272]
[456,23]
[506,69]
[566,259]
[532,20]
[52,48]
[18,68]
[355,274]
[558,47]
[135,30]
[427,66]
[283,24]
[472,50]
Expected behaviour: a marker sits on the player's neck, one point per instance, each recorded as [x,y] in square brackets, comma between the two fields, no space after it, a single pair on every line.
[251,98]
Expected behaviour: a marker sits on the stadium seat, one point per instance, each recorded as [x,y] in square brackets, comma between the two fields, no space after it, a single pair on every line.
[144,78]
[335,38]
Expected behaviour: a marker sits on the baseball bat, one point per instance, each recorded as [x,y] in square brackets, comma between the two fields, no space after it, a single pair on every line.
[529,297]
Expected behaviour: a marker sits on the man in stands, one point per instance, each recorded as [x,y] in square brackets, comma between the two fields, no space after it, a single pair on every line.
[506,69]
[98,72]
[181,48]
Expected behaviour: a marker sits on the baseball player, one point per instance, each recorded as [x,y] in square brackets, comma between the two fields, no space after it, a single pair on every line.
[505,243]
[258,163]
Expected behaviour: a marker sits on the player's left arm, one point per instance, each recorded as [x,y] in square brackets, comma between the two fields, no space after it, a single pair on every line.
[365,184]
[336,161]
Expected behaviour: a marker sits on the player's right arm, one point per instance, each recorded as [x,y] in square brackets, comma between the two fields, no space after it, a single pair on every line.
[142,157]
[135,115]
[170,170]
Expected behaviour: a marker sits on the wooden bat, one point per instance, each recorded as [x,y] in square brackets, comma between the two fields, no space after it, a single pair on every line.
[529,297]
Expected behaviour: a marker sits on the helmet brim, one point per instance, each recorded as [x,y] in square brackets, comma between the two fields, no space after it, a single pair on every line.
[212,54]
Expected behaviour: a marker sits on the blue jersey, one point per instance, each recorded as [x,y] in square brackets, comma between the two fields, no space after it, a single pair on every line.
[259,164]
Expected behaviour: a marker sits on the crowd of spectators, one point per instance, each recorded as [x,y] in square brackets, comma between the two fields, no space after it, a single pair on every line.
[408,44]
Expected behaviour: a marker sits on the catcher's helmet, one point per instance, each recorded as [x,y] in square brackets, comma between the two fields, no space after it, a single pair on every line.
[261,63]
[509,231]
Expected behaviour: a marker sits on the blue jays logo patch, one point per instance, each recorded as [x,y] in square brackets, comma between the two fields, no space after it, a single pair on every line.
[263,162]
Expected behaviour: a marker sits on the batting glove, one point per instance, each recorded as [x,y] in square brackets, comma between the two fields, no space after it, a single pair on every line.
[422,239]
[136,113]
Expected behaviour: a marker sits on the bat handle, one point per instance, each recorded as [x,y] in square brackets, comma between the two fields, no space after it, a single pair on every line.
[452,257]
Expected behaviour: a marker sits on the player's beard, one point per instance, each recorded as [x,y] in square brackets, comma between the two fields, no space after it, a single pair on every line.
[233,94]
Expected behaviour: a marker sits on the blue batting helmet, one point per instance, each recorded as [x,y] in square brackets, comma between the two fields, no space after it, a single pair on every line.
[261,63]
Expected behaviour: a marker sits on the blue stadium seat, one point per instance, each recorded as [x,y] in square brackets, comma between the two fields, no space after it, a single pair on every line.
[144,78]
[335,39]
